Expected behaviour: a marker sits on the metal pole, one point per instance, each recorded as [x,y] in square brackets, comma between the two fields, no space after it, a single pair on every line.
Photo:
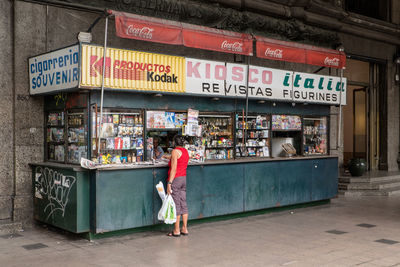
[247,102]
[102,85]
[340,110]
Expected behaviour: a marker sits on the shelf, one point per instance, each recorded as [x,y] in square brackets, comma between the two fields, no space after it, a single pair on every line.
[125,149]
[281,130]
[80,143]
[163,129]
[263,129]
[76,126]
[218,147]
[55,126]
[250,146]
[55,143]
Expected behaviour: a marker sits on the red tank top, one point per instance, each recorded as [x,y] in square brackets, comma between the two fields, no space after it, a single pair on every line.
[181,164]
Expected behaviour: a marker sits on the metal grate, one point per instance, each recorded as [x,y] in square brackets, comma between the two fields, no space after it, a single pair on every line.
[34,246]
[336,232]
[366,225]
[387,241]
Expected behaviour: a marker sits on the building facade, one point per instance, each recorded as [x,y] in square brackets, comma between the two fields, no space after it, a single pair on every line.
[371,40]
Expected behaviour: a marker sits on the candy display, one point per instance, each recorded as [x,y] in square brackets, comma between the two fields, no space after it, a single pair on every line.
[315,136]
[257,141]
[217,136]
[286,122]
[121,136]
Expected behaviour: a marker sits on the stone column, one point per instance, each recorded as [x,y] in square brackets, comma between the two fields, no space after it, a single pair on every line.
[30,39]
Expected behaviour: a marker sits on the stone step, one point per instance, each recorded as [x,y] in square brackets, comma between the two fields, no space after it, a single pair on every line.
[367,179]
[383,192]
[10,227]
[370,186]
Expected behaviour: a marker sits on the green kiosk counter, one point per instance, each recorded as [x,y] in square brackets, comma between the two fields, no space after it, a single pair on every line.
[122,197]
[127,198]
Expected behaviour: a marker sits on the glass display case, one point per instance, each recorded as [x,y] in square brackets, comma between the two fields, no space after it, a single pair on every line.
[252,136]
[217,136]
[162,126]
[55,136]
[315,136]
[77,136]
[121,136]
[286,133]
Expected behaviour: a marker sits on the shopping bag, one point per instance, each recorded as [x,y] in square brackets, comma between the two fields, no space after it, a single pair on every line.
[160,190]
[167,212]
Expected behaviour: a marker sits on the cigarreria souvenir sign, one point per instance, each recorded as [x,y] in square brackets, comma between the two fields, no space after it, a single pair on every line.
[54,71]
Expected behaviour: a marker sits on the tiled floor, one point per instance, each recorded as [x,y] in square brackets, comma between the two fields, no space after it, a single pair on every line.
[348,232]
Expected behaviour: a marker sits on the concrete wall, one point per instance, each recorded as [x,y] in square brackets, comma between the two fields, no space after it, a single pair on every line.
[6,114]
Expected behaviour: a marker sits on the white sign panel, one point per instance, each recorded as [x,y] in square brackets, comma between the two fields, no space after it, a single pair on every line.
[228,79]
[205,77]
[318,88]
[54,71]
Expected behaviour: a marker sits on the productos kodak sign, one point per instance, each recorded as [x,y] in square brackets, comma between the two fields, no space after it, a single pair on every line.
[127,69]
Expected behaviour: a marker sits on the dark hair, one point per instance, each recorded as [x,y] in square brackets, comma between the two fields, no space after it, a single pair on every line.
[179,140]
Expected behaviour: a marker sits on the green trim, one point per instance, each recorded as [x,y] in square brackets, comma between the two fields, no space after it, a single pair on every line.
[165,227]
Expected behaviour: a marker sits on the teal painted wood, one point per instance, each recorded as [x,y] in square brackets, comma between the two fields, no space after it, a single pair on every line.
[61,197]
[128,198]
[222,189]
[294,181]
[124,199]
[159,174]
[261,185]
[323,183]
[194,191]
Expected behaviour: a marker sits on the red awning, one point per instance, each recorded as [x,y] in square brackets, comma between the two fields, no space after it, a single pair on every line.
[143,28]
[171,32]
[217,40]
[299,53]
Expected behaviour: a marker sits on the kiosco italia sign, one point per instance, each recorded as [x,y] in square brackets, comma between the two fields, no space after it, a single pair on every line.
[226,79]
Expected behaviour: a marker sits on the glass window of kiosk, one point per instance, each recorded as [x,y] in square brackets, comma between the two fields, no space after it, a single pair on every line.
[217,135]
[253,135]
[66,136]
[315,136]
[121,135]
[286,135]
[161,127]
[76,136]
[55,136]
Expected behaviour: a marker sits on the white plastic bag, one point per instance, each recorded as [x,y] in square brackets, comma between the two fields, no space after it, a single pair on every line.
[167,212]
[160,190]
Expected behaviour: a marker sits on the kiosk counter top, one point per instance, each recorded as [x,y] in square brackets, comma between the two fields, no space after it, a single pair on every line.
[164,163]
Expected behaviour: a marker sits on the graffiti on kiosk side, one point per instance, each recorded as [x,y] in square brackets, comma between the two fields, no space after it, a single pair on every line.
[55,187]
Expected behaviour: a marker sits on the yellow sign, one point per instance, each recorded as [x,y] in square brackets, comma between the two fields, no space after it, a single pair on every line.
[127,69]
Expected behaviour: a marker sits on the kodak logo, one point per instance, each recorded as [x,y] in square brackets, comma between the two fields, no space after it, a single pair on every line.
[152,77]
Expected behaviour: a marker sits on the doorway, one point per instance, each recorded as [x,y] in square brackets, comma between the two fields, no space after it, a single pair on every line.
[364,116]
[360,123]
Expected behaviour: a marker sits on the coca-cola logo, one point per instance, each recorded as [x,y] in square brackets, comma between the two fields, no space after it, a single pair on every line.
[332,61]
[144,32]
[275,53]
[235,47]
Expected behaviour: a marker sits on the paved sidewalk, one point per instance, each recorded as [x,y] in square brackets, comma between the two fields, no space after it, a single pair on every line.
[348,232]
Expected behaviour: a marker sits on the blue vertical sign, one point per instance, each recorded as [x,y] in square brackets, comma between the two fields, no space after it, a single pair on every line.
[54,71]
